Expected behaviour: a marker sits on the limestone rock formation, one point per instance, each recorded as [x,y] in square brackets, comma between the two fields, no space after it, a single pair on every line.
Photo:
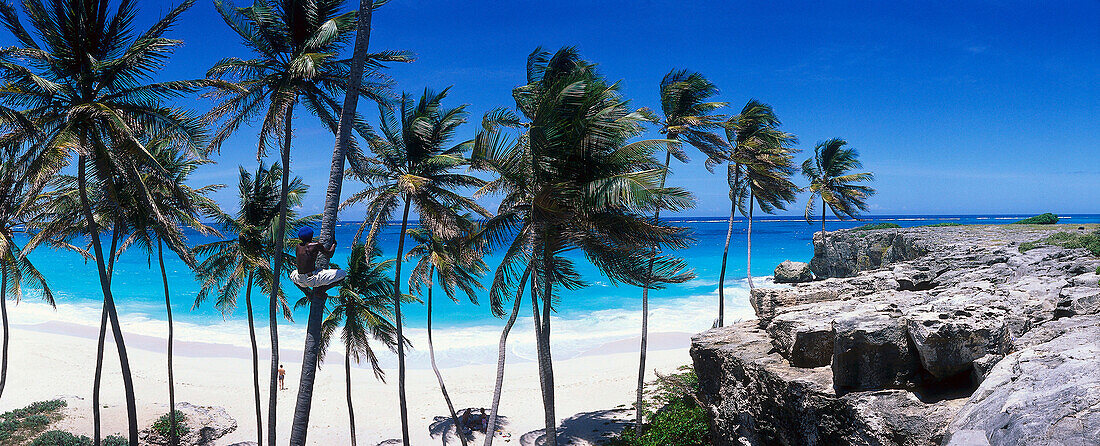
[917,336]
[793,272]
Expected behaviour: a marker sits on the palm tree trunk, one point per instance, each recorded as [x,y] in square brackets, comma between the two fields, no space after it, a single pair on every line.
[344,130]
[300,426]
[748,243]
[4,316]
[402,403]
[109,304]
[173,430]
[823,228]
[98,380]
[546,363]
[255,361]
[722,272]
[435,368]
[347,384]
[276,273]
[490,430]
[645,312]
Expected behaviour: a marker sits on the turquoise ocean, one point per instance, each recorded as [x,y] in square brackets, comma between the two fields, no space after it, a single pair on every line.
[466,333]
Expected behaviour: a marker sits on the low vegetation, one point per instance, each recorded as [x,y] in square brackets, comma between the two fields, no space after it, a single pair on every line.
[873,226]
[1069,240]
[162,425]
[1042,219]
[675,418]
[62,438]
[946,223]
[19,425]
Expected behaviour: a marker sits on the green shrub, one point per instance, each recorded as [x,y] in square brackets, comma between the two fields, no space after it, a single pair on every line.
[869,227]
[61,438]
[946,223]
[19,425]
[115,440]
[1042,219]
[674,417]
[161,426]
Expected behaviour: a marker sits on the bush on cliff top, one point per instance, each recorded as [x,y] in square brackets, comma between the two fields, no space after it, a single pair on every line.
[946,223]
[870,227]
[1042,219]
[674,417]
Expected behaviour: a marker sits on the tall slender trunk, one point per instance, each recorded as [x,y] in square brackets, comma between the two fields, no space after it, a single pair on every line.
[722,272]
[4,316]
[347,385]
[748,243]
[645,311]
[546,363]
[173,430]
[109,303]
[98,380]
[822,228]
[490,430]
[344,129]
[435,368]
[402,403]
[300,426]
[255,361]
[276,273]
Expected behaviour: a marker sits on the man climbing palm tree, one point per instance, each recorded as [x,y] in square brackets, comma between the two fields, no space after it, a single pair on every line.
[306,275]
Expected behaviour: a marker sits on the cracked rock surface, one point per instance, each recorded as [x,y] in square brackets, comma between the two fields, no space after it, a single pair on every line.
[916,336]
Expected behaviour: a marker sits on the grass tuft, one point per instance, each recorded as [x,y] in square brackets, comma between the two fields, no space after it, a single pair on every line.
[1068,240]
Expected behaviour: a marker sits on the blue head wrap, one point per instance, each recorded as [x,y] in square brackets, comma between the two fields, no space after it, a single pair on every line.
[305,232]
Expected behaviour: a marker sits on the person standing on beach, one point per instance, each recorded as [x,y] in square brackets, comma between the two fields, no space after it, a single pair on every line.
[307,275]
[282,377]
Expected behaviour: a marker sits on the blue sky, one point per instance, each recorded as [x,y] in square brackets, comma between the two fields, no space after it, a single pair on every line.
[958,107]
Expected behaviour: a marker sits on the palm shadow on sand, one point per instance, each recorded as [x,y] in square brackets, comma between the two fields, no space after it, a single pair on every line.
[582,429]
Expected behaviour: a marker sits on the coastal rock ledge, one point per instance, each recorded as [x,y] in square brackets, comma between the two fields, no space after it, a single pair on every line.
[917,336]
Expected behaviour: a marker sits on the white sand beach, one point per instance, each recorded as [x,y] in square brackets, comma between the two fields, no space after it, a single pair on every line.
[54,360]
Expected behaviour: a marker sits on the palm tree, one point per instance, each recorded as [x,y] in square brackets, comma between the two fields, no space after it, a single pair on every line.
[85,88]
[458,266]
[688,117]
[19,206]
[295,43]
[762,165]
[415,166]
[362,311]
[182,207]
[234,263]
[589,189]
[831,181]
[510,161]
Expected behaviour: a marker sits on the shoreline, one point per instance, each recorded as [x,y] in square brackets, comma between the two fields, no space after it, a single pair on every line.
[56,360]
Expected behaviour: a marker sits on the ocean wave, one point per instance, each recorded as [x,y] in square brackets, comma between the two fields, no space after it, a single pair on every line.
[573,334]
